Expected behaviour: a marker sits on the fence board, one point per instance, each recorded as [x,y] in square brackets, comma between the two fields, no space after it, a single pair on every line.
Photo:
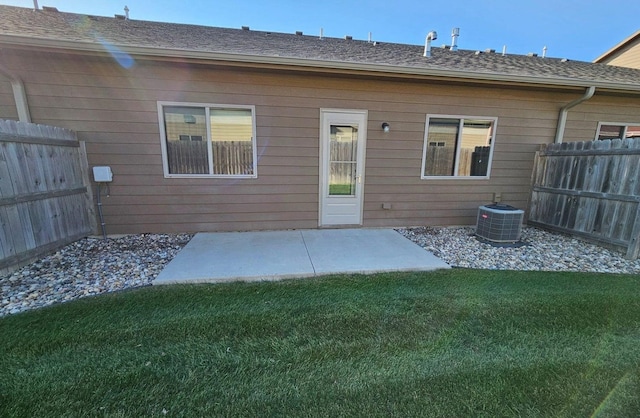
[44,200]
[6,185]
[589,189]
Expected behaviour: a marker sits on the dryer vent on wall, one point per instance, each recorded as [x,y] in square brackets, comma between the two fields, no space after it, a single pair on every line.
[499,223]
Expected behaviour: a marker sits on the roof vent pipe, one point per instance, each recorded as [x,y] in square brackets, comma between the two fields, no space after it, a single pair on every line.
[504,50]
[321,32]
[126,12]
[35,5]
[455,32]
[544,52]
[431,36]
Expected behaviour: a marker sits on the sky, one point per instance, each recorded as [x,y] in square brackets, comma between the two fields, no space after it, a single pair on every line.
[573,29]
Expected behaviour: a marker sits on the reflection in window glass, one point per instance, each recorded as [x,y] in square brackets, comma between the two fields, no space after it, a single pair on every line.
[457,147]
[231,137]
[226,148]
[343,147]
[442,136]
[611,132]
[474,148]
[184,155]
[618,131]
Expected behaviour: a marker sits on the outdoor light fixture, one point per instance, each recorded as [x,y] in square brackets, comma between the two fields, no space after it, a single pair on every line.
[385,126]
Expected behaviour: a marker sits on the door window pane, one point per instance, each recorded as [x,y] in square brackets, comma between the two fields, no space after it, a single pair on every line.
[343,147]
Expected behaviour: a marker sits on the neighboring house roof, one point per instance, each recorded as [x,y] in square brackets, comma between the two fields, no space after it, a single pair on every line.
[630,47]
[28,27]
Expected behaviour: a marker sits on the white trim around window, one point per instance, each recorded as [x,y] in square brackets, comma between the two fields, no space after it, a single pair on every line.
[203,140]
[458,147]
[623,130]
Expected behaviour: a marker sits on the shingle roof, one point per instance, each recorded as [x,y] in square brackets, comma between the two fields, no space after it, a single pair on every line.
[28,26]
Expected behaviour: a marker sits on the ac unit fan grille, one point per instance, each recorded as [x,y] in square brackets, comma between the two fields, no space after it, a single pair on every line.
[499,223]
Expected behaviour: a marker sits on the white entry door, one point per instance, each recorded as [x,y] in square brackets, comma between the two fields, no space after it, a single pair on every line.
[343,135]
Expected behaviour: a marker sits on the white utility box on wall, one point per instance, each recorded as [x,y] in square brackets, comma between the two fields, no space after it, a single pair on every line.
[102,174]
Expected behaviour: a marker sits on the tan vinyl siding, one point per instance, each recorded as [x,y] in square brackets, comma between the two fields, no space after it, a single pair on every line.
[582,121]
[7,102]
[629,57]
[115,111]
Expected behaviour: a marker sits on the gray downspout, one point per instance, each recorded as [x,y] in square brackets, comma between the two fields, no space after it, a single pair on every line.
[564,110]
[19,95]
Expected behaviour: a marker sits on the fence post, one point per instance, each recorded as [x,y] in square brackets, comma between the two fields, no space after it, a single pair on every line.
[86,179]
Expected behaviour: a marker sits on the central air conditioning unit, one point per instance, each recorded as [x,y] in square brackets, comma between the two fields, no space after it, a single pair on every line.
[499,223]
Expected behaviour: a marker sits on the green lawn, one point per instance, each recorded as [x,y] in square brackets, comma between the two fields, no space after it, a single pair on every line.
[341,189]
[449,343]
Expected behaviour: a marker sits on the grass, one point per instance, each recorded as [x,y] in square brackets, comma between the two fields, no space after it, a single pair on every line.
[447,343]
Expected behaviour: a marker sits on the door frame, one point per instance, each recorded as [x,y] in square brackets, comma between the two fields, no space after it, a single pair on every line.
[329,115]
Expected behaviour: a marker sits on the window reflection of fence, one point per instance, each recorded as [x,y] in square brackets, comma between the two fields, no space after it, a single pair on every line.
[473,161]
[229,157]
[343,162]
[439,161]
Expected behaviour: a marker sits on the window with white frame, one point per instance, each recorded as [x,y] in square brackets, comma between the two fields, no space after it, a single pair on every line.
[607,130]
[458,146]
[202,140]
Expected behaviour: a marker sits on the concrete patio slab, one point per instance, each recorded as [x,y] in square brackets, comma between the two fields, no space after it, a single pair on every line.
[366,251]
[275,255]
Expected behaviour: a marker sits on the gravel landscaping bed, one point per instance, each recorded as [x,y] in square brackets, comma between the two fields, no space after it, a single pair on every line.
[92,265]
[539,250]
[89,267]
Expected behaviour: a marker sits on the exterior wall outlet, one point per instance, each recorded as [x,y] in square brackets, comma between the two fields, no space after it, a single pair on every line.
[386,206]
[102,174]
[497,197]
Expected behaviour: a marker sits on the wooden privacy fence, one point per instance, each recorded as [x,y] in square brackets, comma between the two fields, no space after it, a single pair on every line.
[192,157]
[590,189]
[44,203]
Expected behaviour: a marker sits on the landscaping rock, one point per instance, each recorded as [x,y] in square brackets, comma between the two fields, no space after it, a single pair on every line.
[542,250]
[89,267]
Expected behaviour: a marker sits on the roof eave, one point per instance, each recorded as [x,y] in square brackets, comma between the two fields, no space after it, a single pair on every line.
[22,41]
